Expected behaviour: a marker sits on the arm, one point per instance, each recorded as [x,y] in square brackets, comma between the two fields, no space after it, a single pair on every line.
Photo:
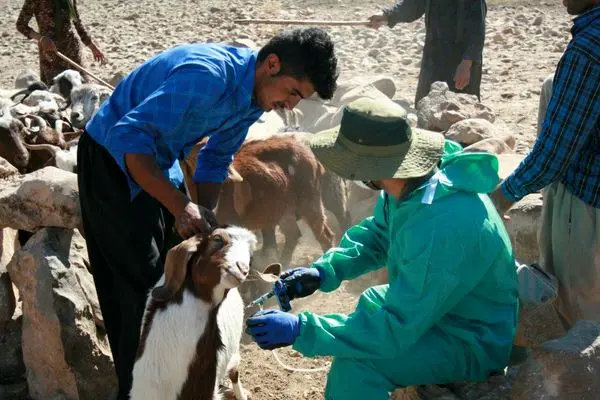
[405,11]
[23,21]
[475,12]
[144,170]
[81,31]
[363,248]
[158,115]
[568,127]
[434,277]
[214,159]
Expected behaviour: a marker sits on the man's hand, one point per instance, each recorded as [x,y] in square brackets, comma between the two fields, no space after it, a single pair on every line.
[502,203]
[301,282]
[462,78]
[272,329]
[194,219]
[377,21]
[98,55]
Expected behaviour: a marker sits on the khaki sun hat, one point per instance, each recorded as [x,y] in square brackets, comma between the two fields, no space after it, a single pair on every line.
[374,141]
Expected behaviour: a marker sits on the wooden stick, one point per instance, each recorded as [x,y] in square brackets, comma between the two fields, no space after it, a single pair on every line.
[81,69]
[299,22]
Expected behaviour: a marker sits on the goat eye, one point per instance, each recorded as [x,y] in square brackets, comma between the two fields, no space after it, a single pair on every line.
[94,98]
[218,241]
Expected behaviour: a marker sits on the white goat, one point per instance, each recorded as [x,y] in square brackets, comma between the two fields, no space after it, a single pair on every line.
[85,101]
[65,82]
[193,320]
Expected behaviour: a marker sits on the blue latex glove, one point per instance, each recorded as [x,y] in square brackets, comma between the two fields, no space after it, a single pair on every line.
[272,329]
[301,282]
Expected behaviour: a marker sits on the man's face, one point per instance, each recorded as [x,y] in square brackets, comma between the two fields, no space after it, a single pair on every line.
[274,91]
[576,7]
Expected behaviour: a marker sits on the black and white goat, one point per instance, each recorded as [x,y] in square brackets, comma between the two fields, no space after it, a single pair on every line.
[193,320]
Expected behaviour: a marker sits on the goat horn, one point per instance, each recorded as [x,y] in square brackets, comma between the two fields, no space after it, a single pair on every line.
[41,121]
[45,146]
[176,264]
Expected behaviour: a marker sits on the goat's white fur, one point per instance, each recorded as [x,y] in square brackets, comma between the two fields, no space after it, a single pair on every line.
[170,348]
[86,99]
[71,75]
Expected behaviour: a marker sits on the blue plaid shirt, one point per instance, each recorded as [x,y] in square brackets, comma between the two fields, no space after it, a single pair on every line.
[568,147]
[172,101]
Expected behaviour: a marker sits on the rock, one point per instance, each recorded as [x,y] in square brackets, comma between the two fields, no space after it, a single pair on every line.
[565,368]
[243,42]
[64,349]
[508,163]
[494,145]
[523,227]
[8,300]
[46,197]
[7,170]
[12,367]
[473,130]
[441,108]
[383,83]
[538,20]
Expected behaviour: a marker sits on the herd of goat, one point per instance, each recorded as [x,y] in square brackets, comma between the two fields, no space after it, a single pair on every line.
[40,126]
[278,182]
[282,181]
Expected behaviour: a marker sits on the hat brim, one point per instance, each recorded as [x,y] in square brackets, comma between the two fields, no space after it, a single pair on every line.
[423,155]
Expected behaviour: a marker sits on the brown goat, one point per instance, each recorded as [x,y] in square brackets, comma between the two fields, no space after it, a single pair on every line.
[50,147]
[281,184]
[194,318]
[12,149]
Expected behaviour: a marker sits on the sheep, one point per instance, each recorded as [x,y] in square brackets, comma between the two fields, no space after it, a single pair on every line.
[281,183]
[65,82]
[193,319]
[12,132]
[85,101]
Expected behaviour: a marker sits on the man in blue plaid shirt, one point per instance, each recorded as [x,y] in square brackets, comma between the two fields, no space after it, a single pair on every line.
[130,181]
[565,162]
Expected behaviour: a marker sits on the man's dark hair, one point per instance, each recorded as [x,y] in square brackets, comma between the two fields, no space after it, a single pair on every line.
[305,53]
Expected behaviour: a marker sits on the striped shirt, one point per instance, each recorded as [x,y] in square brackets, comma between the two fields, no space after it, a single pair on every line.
[567,149]
[172,101]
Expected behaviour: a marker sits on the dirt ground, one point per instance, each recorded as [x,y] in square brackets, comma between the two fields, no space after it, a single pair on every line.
[523,45]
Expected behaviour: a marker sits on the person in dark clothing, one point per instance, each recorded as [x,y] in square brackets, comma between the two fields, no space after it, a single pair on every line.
[453,44]
[54,19]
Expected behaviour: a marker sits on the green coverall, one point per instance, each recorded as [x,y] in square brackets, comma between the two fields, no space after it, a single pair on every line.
[449,312]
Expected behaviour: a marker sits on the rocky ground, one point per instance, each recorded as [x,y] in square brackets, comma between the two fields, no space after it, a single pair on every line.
[524,42]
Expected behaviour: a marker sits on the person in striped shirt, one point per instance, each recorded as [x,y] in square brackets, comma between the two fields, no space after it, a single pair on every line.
[565,162]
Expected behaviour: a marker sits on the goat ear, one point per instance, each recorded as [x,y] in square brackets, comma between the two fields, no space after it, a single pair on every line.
[270,274]
[175,268]
[232,175]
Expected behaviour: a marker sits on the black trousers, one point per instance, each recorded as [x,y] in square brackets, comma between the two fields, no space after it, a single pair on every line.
[439,64]
[127,242]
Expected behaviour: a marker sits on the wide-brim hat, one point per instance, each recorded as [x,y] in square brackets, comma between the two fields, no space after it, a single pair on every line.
[375,141]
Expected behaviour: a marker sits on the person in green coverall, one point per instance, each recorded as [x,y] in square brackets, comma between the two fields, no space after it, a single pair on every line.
[449,312]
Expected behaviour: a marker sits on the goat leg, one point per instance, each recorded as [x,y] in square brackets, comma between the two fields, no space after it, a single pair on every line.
[292,233]
[232,370]
[269,245]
